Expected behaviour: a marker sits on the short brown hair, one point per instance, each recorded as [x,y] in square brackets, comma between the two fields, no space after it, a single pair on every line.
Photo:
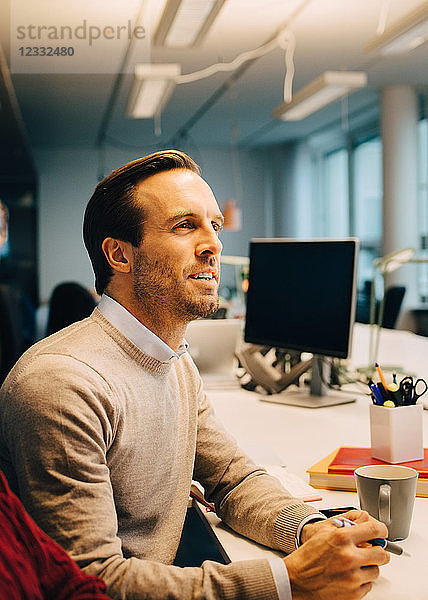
[113,212]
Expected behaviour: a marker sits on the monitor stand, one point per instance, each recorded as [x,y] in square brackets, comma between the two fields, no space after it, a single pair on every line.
[320,394]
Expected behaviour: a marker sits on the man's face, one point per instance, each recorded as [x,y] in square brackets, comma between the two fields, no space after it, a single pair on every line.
[177,266]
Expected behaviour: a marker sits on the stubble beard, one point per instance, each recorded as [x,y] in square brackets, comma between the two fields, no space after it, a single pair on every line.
[160,294]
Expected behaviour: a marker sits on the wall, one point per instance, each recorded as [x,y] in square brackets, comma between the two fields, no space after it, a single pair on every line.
[67,177]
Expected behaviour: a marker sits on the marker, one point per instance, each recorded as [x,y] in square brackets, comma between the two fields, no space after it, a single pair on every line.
[394,390]
[381,377]
[385,544]
[393,387]
[389,404]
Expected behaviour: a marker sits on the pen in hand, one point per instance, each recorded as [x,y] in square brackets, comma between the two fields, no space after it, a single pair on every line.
[388,546]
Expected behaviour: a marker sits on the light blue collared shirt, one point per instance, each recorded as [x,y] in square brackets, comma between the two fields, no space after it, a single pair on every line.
[135,331]
[153,346]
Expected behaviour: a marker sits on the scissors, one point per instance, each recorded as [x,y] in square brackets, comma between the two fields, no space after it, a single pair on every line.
[411,391]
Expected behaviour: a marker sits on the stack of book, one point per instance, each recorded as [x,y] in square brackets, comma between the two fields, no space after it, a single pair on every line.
[336,471]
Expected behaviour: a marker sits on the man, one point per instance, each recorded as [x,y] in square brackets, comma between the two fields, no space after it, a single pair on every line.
[105,423]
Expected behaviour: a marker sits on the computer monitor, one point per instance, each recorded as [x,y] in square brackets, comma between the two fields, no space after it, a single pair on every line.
[301,296]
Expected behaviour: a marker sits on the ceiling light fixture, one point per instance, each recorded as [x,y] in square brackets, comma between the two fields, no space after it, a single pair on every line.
[327,88]
[153,85]
[184,23]
[404,35]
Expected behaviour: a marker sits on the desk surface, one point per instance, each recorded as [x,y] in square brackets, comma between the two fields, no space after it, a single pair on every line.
[299,437]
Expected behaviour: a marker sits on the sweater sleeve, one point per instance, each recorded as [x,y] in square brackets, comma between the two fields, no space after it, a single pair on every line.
[34,566]
[249,500]
[57,422]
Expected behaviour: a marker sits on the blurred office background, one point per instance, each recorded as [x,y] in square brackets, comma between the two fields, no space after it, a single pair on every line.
[358,166]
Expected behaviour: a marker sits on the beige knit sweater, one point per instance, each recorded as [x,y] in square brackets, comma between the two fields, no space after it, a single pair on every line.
[101,442]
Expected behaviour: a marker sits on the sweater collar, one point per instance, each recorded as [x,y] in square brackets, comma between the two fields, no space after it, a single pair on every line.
[135,331]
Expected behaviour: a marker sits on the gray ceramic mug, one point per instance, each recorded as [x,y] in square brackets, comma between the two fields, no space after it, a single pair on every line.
[387,492]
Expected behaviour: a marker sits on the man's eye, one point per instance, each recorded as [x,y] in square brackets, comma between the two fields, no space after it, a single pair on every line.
[185,225]
[217,227]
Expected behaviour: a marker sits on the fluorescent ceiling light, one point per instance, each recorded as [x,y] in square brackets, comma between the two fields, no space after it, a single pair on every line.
[185,22]
[404,35]
[152,88]
[327,88]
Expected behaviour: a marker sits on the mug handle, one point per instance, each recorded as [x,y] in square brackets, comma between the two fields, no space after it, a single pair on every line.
[384,503]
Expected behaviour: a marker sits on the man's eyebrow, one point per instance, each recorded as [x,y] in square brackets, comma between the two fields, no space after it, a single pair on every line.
[181,215]
[219,217]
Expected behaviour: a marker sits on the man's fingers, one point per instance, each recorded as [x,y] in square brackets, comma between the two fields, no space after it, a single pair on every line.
[366,531]
[369,573]
[358,516]
[365,589]
[373,555]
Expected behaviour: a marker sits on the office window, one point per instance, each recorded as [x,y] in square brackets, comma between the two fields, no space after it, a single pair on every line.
[340,210]
[335,197]
[367,204]
[347,195]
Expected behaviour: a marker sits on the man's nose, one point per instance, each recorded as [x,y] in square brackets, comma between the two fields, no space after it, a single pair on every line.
[209,243]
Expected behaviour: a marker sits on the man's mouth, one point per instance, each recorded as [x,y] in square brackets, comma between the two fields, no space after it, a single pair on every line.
[203,275]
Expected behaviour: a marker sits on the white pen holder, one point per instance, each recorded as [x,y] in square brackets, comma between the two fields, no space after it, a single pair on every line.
[397,433]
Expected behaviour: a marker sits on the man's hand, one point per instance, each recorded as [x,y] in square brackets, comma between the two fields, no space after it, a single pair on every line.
[358,516]
[336,562]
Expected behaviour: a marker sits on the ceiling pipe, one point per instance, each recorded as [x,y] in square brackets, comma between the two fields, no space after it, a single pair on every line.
[202,110]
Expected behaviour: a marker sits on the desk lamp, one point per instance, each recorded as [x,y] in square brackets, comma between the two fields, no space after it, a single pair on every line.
[383,265]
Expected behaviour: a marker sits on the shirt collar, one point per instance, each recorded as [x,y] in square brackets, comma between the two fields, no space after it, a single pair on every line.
[135,331]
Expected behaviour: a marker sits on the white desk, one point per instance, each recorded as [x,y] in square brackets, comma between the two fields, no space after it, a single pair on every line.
[299,437]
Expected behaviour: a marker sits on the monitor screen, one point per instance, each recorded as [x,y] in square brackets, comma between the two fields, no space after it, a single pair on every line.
[301,294]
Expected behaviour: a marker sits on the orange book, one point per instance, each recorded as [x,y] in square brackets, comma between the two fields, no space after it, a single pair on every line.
[322,477]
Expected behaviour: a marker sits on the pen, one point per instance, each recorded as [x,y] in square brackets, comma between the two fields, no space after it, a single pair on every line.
[381,377]
[388,546]
[383,392]
[376,393]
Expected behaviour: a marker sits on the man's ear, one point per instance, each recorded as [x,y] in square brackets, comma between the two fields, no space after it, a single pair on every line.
[118,254]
